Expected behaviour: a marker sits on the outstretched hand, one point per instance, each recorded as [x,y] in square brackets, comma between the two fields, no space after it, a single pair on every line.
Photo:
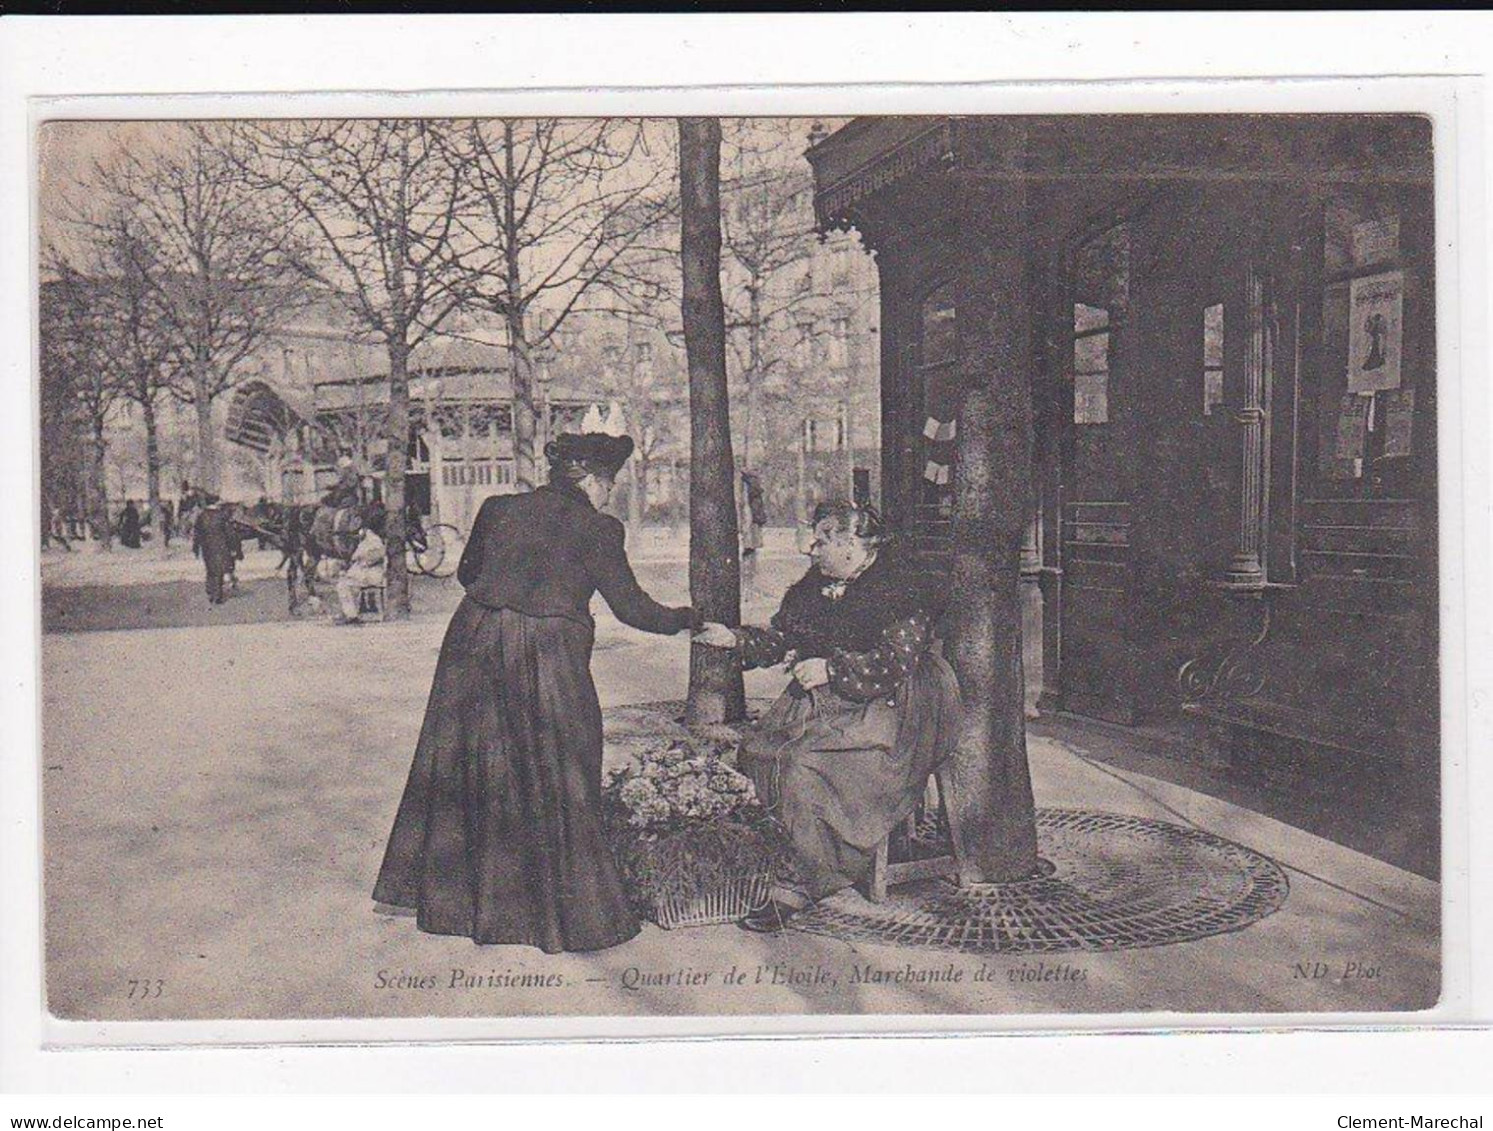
[715,635]
[811,673]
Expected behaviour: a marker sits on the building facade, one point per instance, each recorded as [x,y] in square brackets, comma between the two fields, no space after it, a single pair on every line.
[803,318]
[1220,334]
[319,393]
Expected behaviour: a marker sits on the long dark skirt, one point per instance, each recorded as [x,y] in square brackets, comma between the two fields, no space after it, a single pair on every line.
[499,835]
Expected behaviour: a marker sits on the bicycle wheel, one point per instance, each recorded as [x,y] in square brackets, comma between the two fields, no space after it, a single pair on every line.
[434,560]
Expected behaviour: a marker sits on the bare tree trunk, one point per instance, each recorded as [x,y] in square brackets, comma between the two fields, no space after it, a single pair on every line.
[520,364]
[397,578]
[544,430]
[801,494]
[98,484]
[636,473]
[991,804]
[753,373]
[847,437]
[992,810]
[206,469]
[641,463]
[153,469]
[525,416]
[468,502]
[716,692]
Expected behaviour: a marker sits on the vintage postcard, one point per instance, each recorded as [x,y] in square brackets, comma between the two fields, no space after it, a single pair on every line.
[966,566]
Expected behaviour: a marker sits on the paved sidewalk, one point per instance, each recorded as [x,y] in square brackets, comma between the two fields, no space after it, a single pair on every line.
[86,564]
[217,798]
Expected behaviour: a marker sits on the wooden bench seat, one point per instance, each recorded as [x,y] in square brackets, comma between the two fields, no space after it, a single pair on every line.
[371,601]
[886,873]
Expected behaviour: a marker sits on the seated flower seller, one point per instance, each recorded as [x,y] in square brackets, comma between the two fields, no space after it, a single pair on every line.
[845,752]
[364,569]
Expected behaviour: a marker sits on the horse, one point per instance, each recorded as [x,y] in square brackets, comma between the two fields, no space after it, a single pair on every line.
[308,533]
[305,534]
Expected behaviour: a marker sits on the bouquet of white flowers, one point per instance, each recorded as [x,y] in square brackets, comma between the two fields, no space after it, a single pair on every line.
[693,841]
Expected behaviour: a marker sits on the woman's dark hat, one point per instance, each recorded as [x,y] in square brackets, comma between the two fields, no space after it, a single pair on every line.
[596,451]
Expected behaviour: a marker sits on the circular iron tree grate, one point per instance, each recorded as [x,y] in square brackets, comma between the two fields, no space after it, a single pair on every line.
[1114,882]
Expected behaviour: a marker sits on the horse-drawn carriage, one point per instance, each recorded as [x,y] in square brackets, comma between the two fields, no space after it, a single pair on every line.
[309,534]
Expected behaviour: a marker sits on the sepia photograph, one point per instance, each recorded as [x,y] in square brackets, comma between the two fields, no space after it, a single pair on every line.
[950,566]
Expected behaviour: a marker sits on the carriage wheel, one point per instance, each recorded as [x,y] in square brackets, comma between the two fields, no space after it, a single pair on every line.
[433,559]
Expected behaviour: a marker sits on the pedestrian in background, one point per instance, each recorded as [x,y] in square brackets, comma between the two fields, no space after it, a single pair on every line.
[751,518]
[129,525]
[214,542]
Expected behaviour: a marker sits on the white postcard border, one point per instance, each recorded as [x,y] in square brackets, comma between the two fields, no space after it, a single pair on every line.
[1455,104]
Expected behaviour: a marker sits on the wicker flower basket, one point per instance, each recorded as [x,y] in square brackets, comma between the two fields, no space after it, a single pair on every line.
[694,845]
[725,903]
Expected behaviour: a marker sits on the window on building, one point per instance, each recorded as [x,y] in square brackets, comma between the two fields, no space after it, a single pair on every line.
[803,346]
[417,451]
[1212,357]
[611,358]
[840,431]
[490,420]
[642,357]
[1101,281]
[448,420]
[1090,364]
[840,279]
[839,343]
[937,324]
[811,437]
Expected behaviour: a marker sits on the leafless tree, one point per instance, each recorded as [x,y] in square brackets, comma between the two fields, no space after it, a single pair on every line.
[556,219]
[655,414]
[77,392]
[716,691]
[63,457]
[767,232]
[222,275]
[376,204]
[776,304]
[128,292]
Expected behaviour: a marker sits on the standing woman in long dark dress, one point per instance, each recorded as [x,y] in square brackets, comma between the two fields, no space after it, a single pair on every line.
[129,526]
[498,836]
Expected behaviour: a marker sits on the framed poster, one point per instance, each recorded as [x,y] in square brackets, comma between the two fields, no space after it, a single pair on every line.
[1376,307]
[1376,241]
[1399,421]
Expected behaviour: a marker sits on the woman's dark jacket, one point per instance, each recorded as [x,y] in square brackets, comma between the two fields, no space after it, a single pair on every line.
[872,630]
[545,552]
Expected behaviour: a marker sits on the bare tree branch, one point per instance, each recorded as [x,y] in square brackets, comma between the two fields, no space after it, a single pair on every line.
[374,205]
